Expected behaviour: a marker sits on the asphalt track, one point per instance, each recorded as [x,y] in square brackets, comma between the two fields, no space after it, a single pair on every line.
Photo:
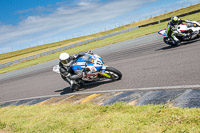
[144,62]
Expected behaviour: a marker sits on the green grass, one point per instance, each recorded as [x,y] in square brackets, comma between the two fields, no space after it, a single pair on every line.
[87,118]
[111,40]
[42,48]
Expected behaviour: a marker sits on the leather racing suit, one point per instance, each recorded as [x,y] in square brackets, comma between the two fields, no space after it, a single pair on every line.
[65,70]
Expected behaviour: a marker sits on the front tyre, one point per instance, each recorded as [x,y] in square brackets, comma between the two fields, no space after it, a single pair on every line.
[198,36]
[114,73]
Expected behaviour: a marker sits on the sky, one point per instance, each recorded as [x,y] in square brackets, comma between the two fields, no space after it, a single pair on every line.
[28,23]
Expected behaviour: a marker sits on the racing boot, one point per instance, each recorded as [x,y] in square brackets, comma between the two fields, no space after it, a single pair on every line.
[74,86]
[176,41]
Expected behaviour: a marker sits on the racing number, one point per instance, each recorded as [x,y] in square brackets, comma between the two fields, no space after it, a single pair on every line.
[99,62]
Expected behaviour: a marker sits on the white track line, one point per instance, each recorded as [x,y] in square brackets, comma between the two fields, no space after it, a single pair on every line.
[119,90]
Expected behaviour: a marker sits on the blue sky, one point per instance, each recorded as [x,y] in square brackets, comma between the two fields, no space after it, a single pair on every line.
[27,23]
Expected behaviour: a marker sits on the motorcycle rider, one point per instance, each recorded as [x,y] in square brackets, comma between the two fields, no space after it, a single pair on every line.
[65,65]
[171,28]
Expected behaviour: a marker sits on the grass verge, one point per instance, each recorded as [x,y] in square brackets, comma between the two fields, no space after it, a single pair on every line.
[111,40]
[88,118]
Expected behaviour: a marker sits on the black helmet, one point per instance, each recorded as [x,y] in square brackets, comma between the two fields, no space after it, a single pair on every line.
[174,19]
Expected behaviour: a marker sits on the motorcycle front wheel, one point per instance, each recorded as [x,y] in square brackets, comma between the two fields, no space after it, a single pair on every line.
[114,73]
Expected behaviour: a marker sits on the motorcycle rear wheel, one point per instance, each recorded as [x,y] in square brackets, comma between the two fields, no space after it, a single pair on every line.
[114,73]
[166,40]
[75,87]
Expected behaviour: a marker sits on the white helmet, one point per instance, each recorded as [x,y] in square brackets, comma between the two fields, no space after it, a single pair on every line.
[64,58]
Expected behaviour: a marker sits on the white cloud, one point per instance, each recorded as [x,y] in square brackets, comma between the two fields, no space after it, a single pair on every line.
[37,10]
[65,18]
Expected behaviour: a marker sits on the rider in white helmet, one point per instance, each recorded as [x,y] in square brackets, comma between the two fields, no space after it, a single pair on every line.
[65,58]
[171,27]
[66,65]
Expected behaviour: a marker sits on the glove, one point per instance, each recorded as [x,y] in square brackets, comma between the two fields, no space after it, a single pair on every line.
[89,52]
[78,55]
[188,21]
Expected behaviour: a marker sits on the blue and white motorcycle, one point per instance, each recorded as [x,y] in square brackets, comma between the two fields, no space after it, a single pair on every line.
[93,69]
[192,30]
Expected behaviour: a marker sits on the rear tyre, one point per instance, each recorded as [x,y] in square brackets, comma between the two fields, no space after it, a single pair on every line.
[169,41]
[75,87]
[114,73]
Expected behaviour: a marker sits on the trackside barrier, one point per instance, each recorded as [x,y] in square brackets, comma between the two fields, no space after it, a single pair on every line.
[87,41]
[167,19]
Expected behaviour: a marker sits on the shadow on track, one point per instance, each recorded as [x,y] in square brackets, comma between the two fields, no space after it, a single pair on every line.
[182,44]
[90,85]
[166,48]
[64,91]
[95,84]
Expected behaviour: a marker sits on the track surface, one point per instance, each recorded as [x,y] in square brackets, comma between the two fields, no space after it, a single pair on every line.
[144,62]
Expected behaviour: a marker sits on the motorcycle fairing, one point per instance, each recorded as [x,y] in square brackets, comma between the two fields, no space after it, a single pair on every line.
[182,28]
[103,68]
[79,64]
[163,32]
[83,61]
